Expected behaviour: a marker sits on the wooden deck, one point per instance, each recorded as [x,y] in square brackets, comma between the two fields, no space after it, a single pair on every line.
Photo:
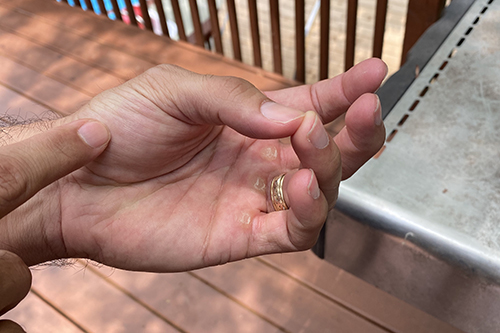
[56,57]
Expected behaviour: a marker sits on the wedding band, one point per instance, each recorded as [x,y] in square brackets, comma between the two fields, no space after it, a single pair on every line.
[277,197]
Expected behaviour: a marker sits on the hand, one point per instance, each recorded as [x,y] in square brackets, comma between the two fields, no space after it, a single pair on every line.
[15,282]
[184,181]
[25,168]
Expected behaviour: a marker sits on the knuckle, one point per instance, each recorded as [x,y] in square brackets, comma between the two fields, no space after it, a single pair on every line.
[13,183]
[234,88]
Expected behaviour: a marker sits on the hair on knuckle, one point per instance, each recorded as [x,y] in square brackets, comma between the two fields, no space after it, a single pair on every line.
[13,183]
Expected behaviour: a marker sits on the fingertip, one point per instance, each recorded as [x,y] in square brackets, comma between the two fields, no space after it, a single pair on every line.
[313,187]
[95,134]
[367,76]
[279,113]
[363,134]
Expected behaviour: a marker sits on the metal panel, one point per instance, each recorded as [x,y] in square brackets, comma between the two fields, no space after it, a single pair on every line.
[436,185]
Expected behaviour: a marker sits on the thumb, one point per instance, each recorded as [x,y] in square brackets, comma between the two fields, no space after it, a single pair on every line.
[219,100]
[29,165]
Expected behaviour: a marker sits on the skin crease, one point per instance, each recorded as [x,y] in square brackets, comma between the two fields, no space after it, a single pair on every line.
[168,192]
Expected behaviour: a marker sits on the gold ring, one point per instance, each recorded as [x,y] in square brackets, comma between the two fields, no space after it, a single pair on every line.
[277,197]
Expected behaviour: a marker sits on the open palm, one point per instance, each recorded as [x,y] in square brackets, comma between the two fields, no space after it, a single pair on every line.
[184,181]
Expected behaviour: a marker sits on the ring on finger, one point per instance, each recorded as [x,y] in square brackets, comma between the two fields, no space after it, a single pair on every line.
[277,196]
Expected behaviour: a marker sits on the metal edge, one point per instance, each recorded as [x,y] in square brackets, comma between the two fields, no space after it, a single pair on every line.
[471,256]
[420,54]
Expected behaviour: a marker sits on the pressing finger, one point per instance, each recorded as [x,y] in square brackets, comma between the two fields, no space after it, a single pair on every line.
[29,165]
[363,134]
[317,151]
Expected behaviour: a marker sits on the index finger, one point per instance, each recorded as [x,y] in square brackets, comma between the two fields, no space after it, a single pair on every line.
[332,97]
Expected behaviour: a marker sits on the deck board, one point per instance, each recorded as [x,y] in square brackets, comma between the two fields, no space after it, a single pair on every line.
[360,297]
[56,57]
[186,300]
[85,78]
[93,303]
[282,300]
[35,316]
[46,91]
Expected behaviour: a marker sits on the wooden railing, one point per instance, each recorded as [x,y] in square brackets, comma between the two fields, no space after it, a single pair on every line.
[420,15]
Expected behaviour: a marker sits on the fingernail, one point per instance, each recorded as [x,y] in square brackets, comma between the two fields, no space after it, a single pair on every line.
[317,134]
[279,113]
[378,113]
[94,134]
[313,187]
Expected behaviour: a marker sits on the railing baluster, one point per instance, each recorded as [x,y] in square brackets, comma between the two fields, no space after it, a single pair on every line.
[195,17]
[421,15]
[88,3]
[131,13]
[78,4]
[65,1]
[378,35]
[178,20]
[162,17]
[276,35]
[102,7]
[235,35]
[116,10]
[254,28]
[145,15]
[352,12]
[324,39]
[300,41]
[214,20]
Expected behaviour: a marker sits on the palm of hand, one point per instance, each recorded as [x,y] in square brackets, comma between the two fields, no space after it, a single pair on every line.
[182,194]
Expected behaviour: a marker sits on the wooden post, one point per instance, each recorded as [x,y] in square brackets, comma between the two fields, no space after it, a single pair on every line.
[421,15]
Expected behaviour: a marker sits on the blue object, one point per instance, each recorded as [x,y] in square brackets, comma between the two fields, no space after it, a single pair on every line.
[107,5]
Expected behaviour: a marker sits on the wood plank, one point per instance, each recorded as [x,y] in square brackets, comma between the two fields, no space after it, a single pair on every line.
[350,46]
[162,17]
[93,303]
[67,70]
[254,29]
[420,16]
[195,17]
[145,15]
[71,44]
[186,301]
[178,20]
[370,302]
[282,300]
[131,13]
[18,106]
[116,9]
[36,316]
[300,41]
[144,46]
[214,22]
[233,25]
[49,92]
[379,31]
[324,51]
